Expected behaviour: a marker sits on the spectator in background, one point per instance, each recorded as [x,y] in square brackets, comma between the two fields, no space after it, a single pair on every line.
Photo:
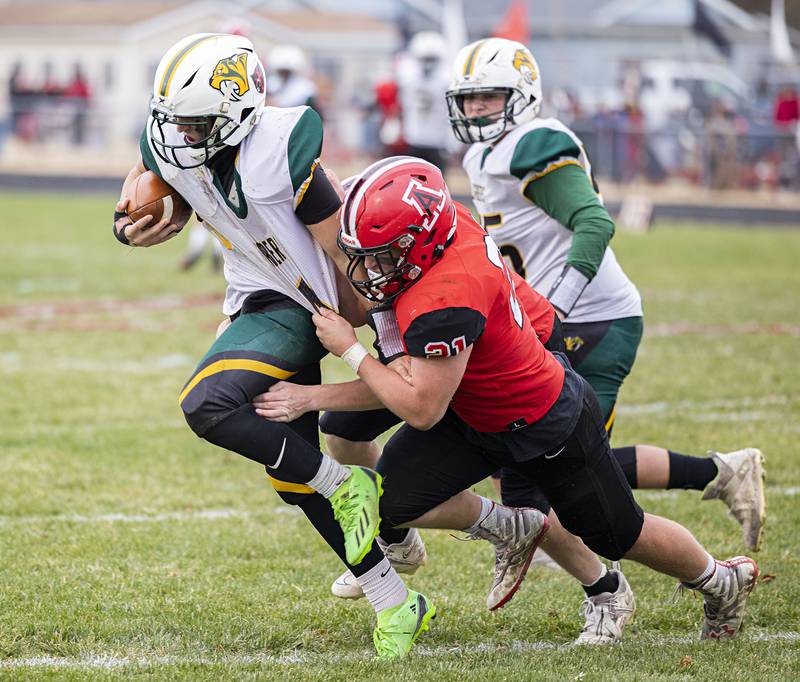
[20,101]
[787,109]
[78,94]
[387,102]
[287,83]
[722,146]
[423,76]
[786,116]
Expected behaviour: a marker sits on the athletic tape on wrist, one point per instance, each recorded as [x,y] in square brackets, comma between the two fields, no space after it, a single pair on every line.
[121,236]
[567,290]
[354,356]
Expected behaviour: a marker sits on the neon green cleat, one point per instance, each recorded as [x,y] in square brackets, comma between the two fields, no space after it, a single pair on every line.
[355,507]
[399,627]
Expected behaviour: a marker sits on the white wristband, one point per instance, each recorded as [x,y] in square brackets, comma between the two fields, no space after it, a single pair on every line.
[568,289]
[354,356]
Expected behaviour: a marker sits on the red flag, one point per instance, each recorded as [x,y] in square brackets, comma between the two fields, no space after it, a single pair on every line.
[514,24]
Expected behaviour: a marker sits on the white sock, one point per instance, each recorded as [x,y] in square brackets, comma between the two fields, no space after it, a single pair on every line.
[382,586]
[329,476]
[603,572]
[486,508]
[701,579]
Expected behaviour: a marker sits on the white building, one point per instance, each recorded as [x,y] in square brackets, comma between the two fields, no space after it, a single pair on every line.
[119,44]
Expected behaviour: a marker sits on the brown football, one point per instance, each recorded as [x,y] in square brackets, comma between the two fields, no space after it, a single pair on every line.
[150,195]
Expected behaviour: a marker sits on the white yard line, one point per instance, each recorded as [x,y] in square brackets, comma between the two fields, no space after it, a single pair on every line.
[109,661]
[195,515]
[699,405]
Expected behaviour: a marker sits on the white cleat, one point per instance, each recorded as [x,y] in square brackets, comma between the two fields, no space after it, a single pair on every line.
[515,534]
[725,594]
[740,485]
[405,557]
[608,613]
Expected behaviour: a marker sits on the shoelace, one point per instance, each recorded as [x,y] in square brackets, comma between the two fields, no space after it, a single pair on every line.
[345,509]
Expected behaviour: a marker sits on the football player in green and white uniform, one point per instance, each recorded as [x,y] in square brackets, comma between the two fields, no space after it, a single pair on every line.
[252,174]
[532,183]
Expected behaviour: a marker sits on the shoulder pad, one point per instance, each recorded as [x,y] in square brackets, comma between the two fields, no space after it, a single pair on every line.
[542,147]
[263,161]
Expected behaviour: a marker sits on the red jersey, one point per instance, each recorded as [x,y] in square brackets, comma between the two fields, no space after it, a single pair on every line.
[539,310]
[466,299]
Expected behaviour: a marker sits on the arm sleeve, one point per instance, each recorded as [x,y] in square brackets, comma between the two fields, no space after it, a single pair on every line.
[443,332]
[566,195]
[148,159]
[314,197]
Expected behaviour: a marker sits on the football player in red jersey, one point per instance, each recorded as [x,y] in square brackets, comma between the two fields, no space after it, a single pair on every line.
[479,391]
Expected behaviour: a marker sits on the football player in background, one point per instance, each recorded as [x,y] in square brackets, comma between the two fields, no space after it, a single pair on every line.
[532,183]
[287,82]
[422,79]
[253,174]
[480,391]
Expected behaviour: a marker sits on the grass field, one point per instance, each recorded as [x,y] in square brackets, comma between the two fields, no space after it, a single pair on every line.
[130,547]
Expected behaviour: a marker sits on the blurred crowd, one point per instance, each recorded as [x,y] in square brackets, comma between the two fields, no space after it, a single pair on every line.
[42,108]
[662,121]
[658,123]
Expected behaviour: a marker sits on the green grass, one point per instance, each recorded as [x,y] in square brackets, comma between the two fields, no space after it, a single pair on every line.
[90,428]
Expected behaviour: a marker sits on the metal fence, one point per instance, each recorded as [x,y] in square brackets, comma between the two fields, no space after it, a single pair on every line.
[719,153]
[716,155]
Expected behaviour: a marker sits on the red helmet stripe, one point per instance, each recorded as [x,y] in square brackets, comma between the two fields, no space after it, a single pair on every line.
[364,181]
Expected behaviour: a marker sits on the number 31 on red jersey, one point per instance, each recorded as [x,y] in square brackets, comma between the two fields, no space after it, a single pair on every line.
[444,349]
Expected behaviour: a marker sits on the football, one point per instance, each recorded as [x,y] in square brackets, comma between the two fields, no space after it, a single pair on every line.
[150,195]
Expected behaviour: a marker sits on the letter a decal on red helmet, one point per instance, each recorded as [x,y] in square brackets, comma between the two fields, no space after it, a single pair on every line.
[428,201]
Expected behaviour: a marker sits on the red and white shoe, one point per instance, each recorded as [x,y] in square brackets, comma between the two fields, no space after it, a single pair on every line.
[515,534]
[725,594]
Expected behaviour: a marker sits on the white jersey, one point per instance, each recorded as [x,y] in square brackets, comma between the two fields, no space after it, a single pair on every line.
[295,91]
[423,108]
[536,244]
[265,245]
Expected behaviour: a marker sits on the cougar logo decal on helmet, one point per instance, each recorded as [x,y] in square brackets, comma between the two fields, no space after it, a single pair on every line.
[231,70]
[523,62]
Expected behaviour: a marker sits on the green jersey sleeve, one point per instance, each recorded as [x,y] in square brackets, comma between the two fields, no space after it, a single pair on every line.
[148,159]
[567,196]
[541,150]
[304,149]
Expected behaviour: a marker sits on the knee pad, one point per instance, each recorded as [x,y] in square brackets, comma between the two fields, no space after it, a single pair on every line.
[616,544]
[518,491]
[607,532]
[211,401]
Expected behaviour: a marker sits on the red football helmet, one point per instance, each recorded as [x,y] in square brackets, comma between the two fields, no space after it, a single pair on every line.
[398,214]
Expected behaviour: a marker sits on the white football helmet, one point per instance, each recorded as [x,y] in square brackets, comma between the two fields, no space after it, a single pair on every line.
[494,65]
[428,45]
[210,80]
[287,58]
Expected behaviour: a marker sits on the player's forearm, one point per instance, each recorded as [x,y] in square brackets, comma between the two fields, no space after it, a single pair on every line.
[134,173]
[422,411]
[352,396]
[352,307]
[566,195]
